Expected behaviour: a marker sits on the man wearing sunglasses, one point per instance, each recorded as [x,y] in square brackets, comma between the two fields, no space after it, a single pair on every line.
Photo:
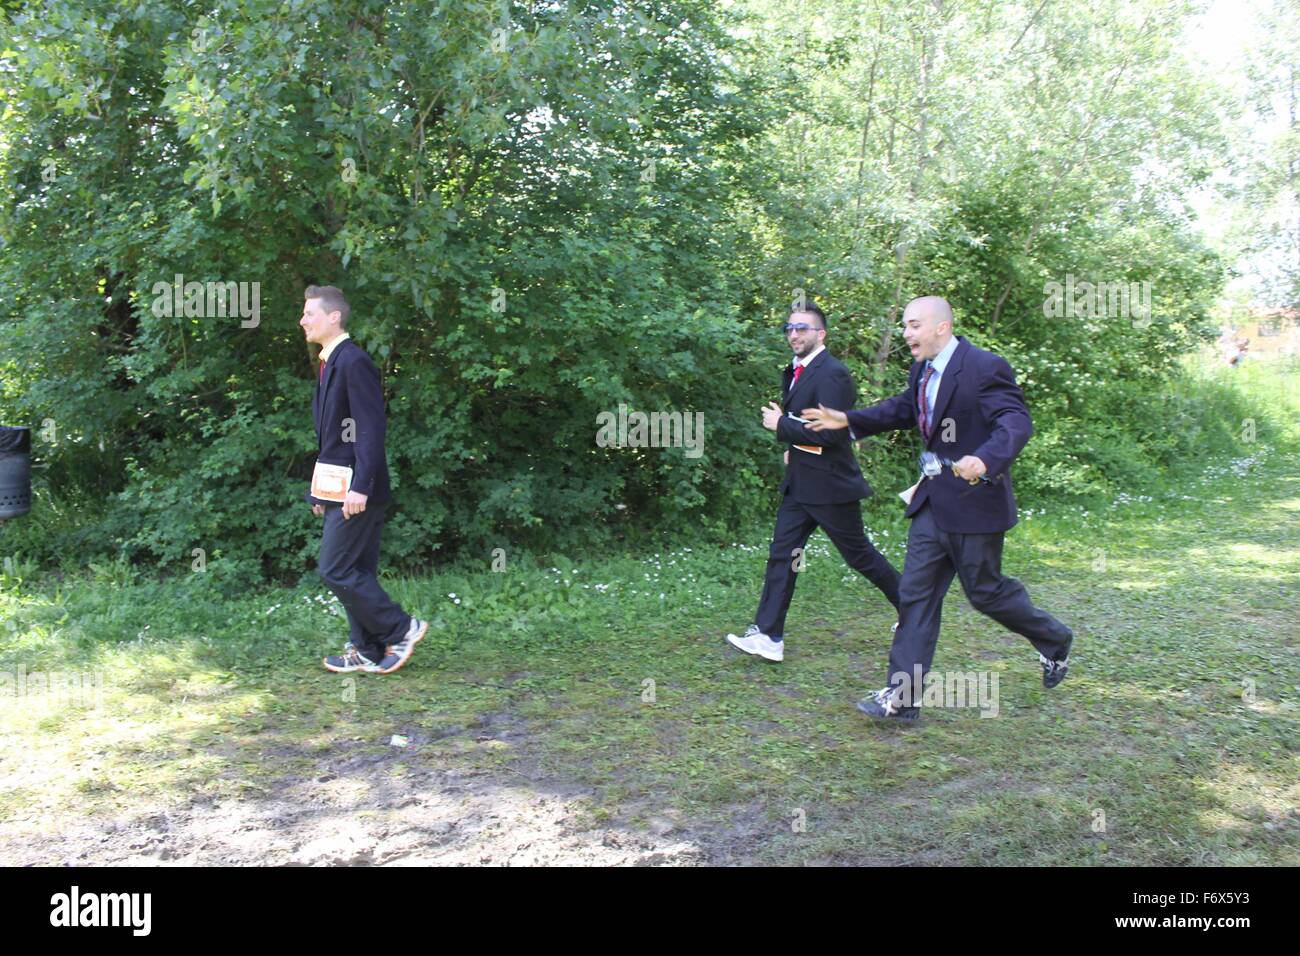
[822,486]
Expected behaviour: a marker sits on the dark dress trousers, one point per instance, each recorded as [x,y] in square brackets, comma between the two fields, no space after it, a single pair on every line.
[957,528]
[350,422]
[823,491]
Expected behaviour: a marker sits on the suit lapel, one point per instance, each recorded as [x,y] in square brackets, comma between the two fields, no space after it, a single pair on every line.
[913,387]
[323,388]
[808,373]
[947,385]
[316,406]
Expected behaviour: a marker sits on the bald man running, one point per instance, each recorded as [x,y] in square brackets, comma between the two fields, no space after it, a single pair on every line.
[973,423]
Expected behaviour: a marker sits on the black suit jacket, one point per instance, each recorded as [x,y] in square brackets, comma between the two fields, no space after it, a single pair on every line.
[979,411]
[833,477]
[349,394]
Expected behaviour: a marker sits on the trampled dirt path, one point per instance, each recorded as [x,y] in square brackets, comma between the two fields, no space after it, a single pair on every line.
[354,812]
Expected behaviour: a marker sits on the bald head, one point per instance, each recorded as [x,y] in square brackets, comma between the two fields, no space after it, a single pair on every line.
[934,308]
[927,326]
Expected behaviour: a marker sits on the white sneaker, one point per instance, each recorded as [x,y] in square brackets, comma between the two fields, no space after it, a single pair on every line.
[756,642]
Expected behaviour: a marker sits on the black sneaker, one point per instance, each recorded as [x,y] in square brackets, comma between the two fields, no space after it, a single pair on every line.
[352,660]
[400,653]
[884,705]
[1053,671]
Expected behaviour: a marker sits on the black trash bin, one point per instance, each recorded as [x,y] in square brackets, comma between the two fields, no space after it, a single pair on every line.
[15,471]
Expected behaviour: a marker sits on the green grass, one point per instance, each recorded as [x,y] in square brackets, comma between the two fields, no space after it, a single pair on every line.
[1177,722]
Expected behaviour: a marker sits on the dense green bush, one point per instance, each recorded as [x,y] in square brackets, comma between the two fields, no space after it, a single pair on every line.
[541,213]
[527,206]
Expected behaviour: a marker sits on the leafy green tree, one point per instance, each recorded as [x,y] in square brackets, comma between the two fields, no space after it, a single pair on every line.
[544,211]
[527,203]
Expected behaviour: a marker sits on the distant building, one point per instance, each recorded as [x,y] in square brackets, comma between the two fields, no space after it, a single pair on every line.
[1264,331]
[1273,330]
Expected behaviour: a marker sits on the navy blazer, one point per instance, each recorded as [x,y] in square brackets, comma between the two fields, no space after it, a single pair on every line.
[833,477]
[979,411]
[349,393]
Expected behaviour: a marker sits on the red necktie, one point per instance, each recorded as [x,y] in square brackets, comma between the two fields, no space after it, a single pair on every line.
[925,402]
[320,374]
[798,370]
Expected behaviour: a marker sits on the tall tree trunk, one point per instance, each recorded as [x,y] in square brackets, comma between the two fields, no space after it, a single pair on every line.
[924,154]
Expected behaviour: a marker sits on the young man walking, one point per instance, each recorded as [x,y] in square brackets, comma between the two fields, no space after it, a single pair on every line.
[350,490]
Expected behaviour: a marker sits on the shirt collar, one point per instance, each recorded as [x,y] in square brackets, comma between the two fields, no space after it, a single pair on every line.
[328,350]
[940,361]
[812,355]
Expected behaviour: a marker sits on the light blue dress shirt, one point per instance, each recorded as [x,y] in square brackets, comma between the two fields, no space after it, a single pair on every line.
[938,363]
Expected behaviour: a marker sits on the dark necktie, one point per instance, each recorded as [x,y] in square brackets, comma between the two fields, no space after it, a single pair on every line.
[320,374]
[925,401]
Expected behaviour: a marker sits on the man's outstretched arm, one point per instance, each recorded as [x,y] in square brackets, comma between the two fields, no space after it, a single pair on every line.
[890,415]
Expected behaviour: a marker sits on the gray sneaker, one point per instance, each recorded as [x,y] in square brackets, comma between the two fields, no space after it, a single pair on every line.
[886,704]
[352,660]
[1053,671]
[400,653]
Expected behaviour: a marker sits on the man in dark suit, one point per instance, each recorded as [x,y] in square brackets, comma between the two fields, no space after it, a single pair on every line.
[350,423]
[822,486]
[971,416]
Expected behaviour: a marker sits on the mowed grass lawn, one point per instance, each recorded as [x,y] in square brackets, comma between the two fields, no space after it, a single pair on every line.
[1171,742]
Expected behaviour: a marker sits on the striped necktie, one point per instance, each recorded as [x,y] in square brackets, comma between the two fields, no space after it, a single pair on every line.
[925,401]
